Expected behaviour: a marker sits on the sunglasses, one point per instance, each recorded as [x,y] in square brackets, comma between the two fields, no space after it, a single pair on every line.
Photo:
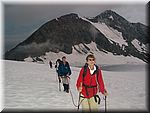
[91,59]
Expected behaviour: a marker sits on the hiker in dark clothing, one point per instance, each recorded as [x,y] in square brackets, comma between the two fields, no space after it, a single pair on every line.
[50,64]
[58,61]
[64,71]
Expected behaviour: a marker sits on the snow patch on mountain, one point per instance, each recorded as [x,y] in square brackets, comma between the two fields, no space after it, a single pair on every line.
[80,48]
[85,19]
[140,46]
[29,59]
[92,46]
[85,48]
[57,19]
[111,33]
[78,58]
[111,17]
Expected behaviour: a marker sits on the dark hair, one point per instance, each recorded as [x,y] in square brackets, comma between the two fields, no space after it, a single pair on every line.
[58,60]
[63,57]
[90,56]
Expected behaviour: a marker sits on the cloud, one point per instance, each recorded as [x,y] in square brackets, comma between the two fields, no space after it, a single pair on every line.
[30,14]
[133,12]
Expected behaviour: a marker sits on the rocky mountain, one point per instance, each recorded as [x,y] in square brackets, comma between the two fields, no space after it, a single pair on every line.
[109,31]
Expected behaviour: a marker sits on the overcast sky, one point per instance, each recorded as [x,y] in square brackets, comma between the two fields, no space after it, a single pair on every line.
[21,20]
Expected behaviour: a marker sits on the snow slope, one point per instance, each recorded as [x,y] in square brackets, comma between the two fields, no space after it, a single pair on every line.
[77,59]
[141,48]
[111,34]
[34,86]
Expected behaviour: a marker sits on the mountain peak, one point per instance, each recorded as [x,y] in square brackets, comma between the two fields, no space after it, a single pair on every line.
[69,16]
[109,14]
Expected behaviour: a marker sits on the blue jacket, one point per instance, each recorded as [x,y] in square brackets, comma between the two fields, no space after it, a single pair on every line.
[64,70]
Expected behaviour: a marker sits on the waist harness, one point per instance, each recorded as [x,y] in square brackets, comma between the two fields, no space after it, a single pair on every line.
[96,98]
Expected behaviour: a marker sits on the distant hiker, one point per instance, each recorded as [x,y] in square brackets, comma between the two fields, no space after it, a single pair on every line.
[64,71]
[50,64]
[88,83]
[58,61]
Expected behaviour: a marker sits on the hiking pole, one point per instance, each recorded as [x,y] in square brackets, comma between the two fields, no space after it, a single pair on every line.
[59,81]
[59,87]
[56,75]
[79,100]
[56,78]
[105,104]
[79,96]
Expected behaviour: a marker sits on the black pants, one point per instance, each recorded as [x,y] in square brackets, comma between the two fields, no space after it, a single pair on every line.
[66,87]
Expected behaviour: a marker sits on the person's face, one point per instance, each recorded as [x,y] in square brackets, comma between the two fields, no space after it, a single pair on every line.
[91,61]
[64,59]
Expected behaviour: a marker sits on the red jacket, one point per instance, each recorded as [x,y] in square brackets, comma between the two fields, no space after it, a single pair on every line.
[90,80]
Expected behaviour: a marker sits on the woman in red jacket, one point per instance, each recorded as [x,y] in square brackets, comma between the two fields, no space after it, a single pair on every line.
[88,83]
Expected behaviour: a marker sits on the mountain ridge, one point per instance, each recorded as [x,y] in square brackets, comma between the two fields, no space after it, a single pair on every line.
[62,33]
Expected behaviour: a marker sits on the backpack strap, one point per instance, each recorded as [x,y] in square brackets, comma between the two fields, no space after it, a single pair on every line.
[97,73]
[84,71]
[83,75]
[97,97]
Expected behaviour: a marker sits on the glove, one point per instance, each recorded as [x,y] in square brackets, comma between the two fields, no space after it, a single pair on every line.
[68,76]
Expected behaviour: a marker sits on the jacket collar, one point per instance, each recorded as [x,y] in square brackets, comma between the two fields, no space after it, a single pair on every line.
[92,71]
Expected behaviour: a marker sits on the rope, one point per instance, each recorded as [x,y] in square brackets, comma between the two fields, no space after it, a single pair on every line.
[79,97]
[71,92]
[72,95]
[73,100]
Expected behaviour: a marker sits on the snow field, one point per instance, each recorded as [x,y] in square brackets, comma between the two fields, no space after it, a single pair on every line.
[34,86]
